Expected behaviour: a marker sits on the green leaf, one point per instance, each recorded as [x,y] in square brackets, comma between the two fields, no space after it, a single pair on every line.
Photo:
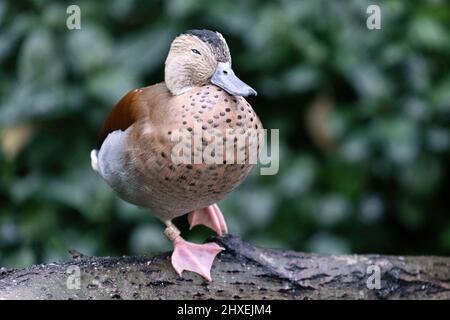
[39,62]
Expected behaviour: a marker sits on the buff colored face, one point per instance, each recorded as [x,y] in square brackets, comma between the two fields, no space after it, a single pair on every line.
[193,62]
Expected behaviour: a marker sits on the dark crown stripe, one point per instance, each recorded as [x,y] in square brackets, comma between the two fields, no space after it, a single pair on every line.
[207,36]
[210,37]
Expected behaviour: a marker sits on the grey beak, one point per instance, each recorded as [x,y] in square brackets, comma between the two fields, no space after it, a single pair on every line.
[225,78]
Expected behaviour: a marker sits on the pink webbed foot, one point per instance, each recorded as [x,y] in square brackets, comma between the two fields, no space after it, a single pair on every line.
[194,257]
[211,217]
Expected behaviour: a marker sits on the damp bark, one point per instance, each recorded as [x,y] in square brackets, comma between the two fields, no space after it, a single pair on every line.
[242,271]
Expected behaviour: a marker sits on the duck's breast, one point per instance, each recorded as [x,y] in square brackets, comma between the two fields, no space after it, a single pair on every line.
[149,173]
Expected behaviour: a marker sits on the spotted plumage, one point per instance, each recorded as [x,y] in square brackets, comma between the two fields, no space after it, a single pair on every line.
[150,178]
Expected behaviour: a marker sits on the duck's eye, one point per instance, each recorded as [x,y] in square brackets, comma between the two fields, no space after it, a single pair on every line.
[195,51]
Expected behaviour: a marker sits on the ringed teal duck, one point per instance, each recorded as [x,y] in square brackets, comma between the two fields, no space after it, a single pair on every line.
[137,143]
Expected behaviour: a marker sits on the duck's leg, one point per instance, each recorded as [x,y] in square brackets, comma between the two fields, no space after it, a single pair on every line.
[211,217]
[191,256]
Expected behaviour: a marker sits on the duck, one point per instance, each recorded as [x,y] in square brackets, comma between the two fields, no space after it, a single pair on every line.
[137,154]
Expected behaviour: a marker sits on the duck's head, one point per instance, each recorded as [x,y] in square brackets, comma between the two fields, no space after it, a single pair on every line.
[199,57]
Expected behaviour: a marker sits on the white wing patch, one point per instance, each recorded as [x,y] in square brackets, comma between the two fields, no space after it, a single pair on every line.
[94,160]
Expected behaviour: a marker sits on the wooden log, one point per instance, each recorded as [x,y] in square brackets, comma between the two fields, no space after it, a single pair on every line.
[242,271]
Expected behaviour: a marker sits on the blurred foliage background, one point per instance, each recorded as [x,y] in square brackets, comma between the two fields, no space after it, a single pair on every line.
[363,117]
